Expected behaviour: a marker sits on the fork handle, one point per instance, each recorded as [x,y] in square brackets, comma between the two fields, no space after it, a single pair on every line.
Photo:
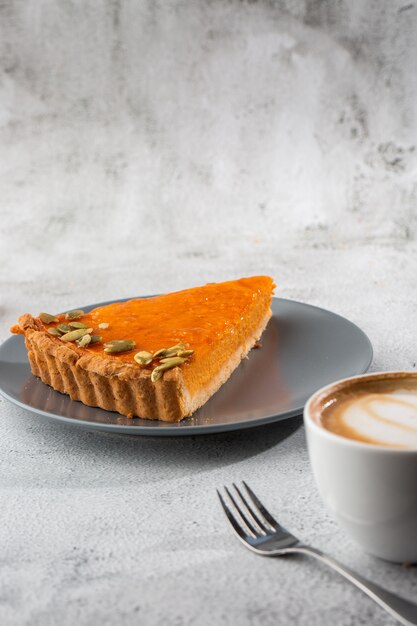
[398,607]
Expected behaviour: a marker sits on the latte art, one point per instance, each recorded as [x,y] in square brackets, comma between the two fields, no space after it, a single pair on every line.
[379,409]
[388,419]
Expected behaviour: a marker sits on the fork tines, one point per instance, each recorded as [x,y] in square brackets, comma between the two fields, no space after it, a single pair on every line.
[246,513]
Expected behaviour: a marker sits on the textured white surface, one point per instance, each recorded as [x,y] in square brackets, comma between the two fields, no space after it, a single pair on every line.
[149,146]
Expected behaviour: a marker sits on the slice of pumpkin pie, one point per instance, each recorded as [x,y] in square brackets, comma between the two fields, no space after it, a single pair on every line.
[156,358]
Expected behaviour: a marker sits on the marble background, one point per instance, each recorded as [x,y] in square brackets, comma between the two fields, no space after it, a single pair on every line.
[152,145]
[233,137]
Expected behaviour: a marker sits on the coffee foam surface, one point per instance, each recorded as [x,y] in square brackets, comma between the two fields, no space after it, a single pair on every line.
[383,418]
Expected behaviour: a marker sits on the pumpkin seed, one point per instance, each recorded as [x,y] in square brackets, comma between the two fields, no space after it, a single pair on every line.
[74,315]
[168,365]
[64,328]
[96,338]
[167,352]
[76,334]
[77,325]
[103,325]
[47,318]
[173,361]
[119,345]
[143,358]
[84,341]
[144,354]
[54,331]
[156,373]
[158,353]
[185,353]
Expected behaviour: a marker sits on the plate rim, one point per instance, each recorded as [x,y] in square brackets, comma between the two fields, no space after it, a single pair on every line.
[178,430]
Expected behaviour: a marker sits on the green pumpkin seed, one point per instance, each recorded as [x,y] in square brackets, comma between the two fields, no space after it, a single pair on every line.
[168,365]
[54,331]
[64,328]
[96,338]
[143,358]
[119,345]
[159,353]
[47,318]
[167,352]
[173,361]
[77,325]
[84,341]
[76,334]
[74,315]
[185,353]
[157,373]
[103,325]
[144,354]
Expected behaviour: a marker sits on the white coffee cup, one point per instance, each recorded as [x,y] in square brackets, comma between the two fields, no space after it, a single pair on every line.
[370,489]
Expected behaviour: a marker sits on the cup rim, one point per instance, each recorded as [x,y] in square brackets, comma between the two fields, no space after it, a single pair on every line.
[346,441]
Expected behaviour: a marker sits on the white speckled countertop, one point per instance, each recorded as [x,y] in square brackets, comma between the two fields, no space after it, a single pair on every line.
[150,146]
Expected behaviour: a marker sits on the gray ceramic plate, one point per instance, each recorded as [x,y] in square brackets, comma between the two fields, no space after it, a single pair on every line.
[303,349]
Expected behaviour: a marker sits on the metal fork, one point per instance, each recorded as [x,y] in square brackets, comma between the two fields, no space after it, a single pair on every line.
[262,534]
